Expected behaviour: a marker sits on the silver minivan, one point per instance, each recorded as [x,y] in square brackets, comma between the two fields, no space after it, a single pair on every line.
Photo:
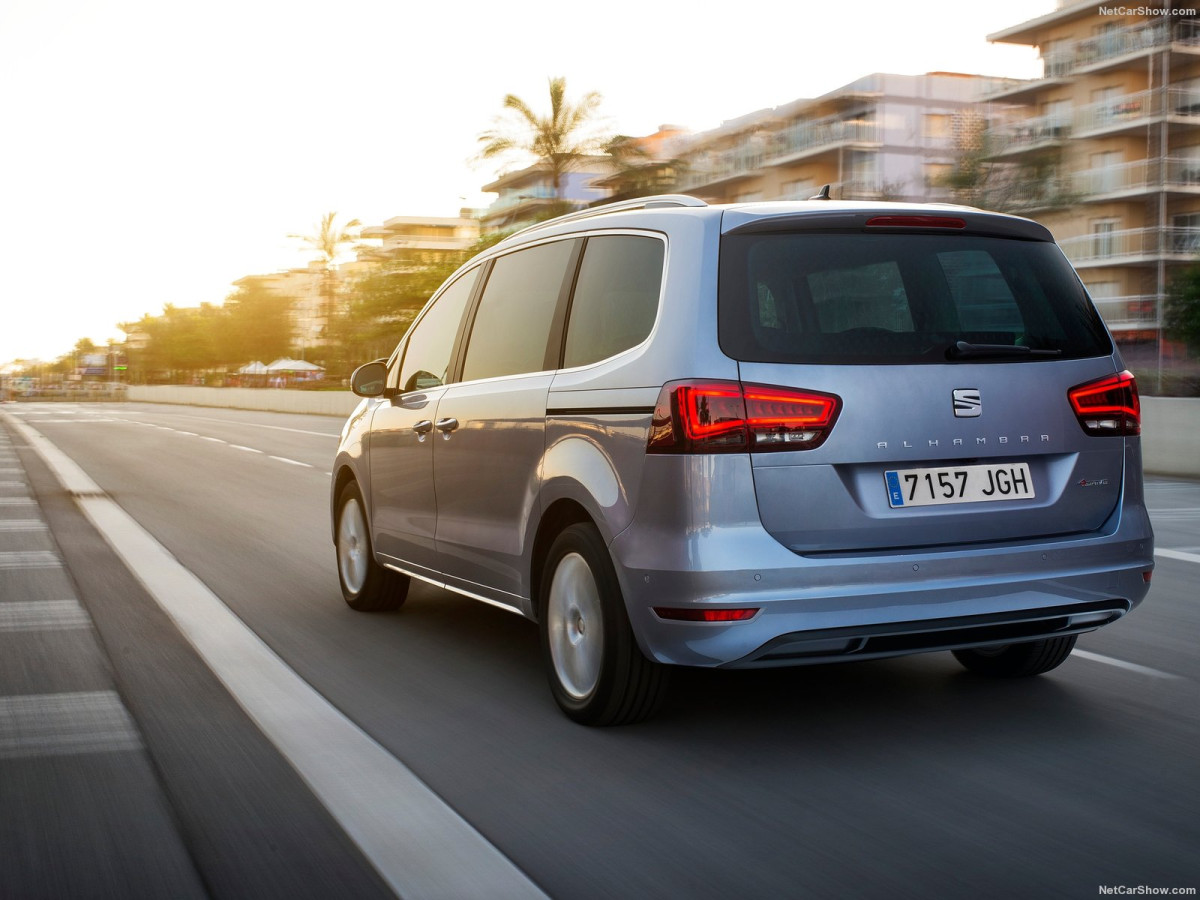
[754,435]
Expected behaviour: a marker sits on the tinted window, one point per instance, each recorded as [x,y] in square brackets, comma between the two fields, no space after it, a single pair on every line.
[899,298]
[431,341]
[512,326]
[616,297]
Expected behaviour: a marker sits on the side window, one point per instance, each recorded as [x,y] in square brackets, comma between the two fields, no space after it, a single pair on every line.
[431,342]
[616,297]
[516,312]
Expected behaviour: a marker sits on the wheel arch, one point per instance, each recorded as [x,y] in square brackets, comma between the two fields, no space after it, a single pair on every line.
[561,514]
[342,477]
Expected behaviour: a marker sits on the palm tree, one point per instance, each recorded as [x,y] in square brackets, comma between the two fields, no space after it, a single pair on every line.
[557,140]
[329,241]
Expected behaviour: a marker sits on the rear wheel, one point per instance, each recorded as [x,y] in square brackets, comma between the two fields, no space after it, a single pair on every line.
[1018,660]
[597,673]
[366,585]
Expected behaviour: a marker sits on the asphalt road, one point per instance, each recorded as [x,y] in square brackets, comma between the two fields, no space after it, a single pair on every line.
[895,778]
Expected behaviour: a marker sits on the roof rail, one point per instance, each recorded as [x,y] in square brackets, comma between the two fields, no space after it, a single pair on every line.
[657,201]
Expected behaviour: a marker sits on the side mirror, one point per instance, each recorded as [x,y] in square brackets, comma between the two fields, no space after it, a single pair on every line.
[370,379]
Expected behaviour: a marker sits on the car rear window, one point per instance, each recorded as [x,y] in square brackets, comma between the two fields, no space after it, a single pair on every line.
[870,298]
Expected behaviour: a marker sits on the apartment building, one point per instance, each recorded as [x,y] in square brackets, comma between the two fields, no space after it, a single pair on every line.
[881,137]
[421,239]
[528,194]
[1107,146]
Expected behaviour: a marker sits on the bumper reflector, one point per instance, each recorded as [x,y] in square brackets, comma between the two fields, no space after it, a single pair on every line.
[693,614]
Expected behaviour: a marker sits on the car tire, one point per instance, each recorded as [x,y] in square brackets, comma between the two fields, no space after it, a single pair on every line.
[366,585]
[1018,660]
[597,673]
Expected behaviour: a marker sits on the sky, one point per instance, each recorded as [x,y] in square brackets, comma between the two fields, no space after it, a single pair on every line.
[155,152]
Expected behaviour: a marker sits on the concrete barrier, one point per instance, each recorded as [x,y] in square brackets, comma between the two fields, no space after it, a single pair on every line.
[321,403]
[1170,425]
[1171,436]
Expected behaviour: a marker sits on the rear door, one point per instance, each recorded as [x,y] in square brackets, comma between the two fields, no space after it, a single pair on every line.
[954,350]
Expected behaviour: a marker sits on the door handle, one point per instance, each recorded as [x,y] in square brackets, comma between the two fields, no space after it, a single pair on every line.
[445,426]
[423,427]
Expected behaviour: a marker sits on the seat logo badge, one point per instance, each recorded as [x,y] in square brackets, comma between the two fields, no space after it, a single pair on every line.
[967,404]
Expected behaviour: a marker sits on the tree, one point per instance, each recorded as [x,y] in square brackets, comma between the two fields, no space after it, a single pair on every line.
[329,241]
[384,303]
[557,141]
[636,173]
[1181,318]
[257,324]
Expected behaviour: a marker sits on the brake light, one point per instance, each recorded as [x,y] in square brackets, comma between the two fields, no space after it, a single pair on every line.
[915,222]
[730,417]
[1108,406]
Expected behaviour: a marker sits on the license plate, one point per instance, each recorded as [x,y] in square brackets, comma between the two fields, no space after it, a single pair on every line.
[958,484]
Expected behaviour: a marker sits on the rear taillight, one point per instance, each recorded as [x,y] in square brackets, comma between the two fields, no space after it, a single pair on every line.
[1108,406]
[730,417]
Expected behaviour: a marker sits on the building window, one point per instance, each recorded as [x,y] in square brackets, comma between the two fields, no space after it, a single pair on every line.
[937,126]
[1104,237]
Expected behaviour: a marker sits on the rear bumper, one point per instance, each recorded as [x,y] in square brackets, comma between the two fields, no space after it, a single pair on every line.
[708,549]
[898,638]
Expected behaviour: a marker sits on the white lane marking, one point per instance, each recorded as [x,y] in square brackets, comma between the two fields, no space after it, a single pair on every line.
[421,847]
[1121,664]
[291,462]
[213,439]
[1177,554]
[12,484]
[16,501]
[29,559]
[43,615]
[18,525]
[253,425]
[247,449]
[61,724]
[188,433]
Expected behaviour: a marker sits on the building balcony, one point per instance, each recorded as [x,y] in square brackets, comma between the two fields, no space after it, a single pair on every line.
[805,140]
[1119,46]
[1111,50]
[1014,139]
[1128,112]
[1132,247]
[1017,90]
[1135,179]
[710,169]
[1128,313]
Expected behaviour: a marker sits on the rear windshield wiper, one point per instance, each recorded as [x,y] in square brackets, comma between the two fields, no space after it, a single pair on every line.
[964,350]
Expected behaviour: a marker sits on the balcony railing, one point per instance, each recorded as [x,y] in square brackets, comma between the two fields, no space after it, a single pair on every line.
[1120,42]
[712,167]
[1027,133]
[1127,109]
[1129,312]
[804,136]
[1143,175]
[1132,245]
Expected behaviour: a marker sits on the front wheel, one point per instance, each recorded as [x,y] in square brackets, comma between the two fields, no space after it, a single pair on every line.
[366,585]
[597,673]
[1018,660]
